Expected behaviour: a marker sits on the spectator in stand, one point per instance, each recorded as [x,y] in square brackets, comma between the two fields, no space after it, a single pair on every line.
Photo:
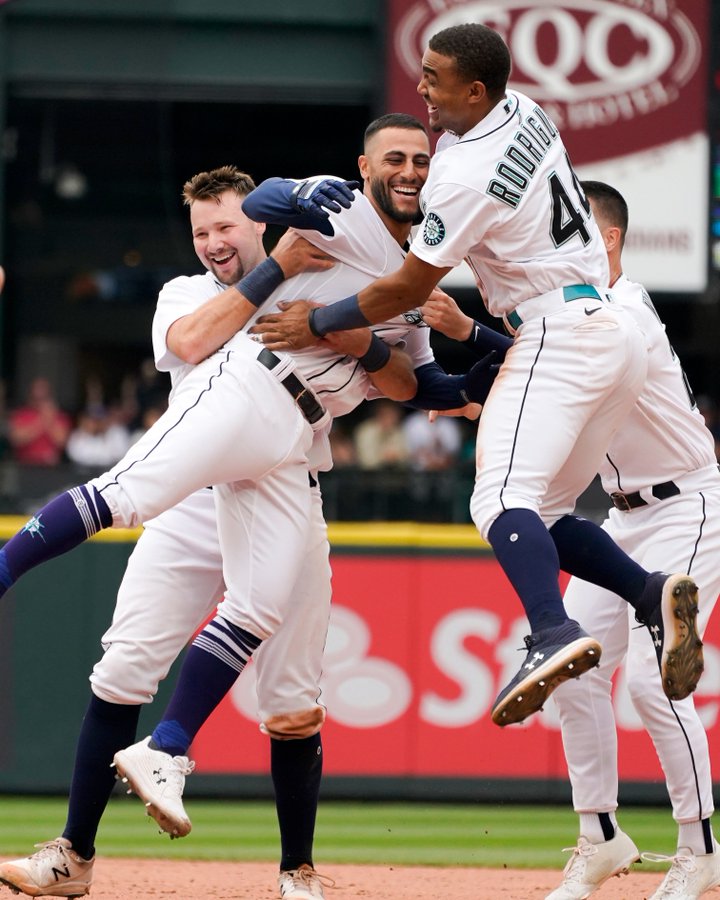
[38,431]
[379,440]
[432,445]
[147,420]
[98,440]
[342,446]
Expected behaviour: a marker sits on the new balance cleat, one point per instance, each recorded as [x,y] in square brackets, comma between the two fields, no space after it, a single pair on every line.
[554,655]
[672,624]
[158,779]
[591,865]
[54,871]
[689,876]
[303,883]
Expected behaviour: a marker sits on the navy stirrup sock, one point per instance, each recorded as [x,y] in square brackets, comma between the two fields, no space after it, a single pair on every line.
[63,523]
[212,664]
[588,552]
[527,554]
[296,767]
[106,728]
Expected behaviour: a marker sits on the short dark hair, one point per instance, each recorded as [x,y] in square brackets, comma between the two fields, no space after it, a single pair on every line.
[213,184]
[609,202]
[392,120]
[480,54]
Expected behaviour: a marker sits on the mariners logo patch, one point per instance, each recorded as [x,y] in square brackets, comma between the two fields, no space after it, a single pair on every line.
[433,230]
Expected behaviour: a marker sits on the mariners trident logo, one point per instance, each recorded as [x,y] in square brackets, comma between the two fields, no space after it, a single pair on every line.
[434,230]
[34,526]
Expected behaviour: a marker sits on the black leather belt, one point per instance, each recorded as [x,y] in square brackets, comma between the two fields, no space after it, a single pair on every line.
[308,403]
[627,502]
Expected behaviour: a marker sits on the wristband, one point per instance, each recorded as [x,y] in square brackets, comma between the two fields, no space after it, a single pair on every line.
[376,355]
[484,339]
[257,285]
[341,316]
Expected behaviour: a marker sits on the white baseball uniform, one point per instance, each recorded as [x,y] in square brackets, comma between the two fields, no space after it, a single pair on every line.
[174,579]
[662,470]
[504,197]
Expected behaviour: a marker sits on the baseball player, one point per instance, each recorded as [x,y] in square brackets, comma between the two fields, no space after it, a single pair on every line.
[666,502]
[502,195]
[148,635]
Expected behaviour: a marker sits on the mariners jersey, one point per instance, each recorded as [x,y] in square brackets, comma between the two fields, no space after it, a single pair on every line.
[504,198]
[665,436]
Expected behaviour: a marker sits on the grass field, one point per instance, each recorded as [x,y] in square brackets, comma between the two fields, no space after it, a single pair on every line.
[382,833]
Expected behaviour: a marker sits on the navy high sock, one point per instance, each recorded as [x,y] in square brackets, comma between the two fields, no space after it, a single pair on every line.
[63,523]
[588,552]
[211,666]
[296,768]
[527,554]
[106,728]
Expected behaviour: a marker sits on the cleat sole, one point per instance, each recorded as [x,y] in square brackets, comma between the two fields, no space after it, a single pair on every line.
[682,657]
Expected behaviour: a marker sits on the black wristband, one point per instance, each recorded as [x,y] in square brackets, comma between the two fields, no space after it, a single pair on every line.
[257,285]
[376,356]
[341,316]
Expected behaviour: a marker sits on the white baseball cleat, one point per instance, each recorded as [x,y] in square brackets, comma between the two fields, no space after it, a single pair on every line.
[158,779]
[689,875]
[303,883]
[54,871]
[592,864]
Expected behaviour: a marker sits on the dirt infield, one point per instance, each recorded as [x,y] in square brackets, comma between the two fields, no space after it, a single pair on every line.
[128,879]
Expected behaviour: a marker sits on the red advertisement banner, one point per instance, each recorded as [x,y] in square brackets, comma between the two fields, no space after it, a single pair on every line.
[418,649]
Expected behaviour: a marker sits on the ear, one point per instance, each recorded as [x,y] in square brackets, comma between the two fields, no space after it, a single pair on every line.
[363,167]
[260,228]
[611,236]
[477,92]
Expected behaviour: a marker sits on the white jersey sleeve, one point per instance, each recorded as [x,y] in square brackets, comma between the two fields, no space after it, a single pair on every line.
[178,298]
[665,436]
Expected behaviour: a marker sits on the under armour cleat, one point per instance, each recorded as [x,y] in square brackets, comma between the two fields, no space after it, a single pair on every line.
[158,779]
[672,623]
[303,883]
[554,655]
[689,876]
[591,865]
[54,871]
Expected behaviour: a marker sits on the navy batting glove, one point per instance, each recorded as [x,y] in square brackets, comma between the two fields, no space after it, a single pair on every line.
[323,195]
[480,378]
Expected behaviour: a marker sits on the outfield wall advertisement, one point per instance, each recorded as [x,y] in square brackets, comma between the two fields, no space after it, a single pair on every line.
[626,83]
[418,648]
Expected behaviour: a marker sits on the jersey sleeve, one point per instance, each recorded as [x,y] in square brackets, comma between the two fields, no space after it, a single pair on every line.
[271,202]
[455,219]
[177,298]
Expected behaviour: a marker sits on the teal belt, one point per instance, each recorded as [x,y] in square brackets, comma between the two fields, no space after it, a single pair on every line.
[571,292]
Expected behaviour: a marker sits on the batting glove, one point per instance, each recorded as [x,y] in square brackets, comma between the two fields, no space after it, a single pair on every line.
[323,195]
[480,378]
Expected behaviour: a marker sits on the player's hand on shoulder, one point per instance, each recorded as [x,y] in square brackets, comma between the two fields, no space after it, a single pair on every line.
[294,255]
[443,314]
[286,330]
[324,195]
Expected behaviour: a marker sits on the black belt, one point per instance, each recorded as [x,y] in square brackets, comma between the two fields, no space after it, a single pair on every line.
[626,502]
[309,404]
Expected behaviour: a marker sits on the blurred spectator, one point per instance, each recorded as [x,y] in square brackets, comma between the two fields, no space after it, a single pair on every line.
[38,431]
[380,440]
[98,439]
[432,446]
[342,447]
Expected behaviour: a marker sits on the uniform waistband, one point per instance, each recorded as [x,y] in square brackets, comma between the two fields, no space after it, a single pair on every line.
[701,479]
[552,301]
[307,402]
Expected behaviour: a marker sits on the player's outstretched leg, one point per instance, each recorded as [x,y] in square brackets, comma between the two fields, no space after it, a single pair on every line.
[591,865]
[554,655]
[158,779]
[668,608]
[54,871]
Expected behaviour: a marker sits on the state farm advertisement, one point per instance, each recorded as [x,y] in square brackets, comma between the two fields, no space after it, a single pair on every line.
[419,646]
[626,83]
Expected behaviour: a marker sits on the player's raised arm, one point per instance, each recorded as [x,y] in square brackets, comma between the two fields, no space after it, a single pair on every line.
[300,204]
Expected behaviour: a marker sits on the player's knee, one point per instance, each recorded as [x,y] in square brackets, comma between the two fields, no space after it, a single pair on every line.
[295,725]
